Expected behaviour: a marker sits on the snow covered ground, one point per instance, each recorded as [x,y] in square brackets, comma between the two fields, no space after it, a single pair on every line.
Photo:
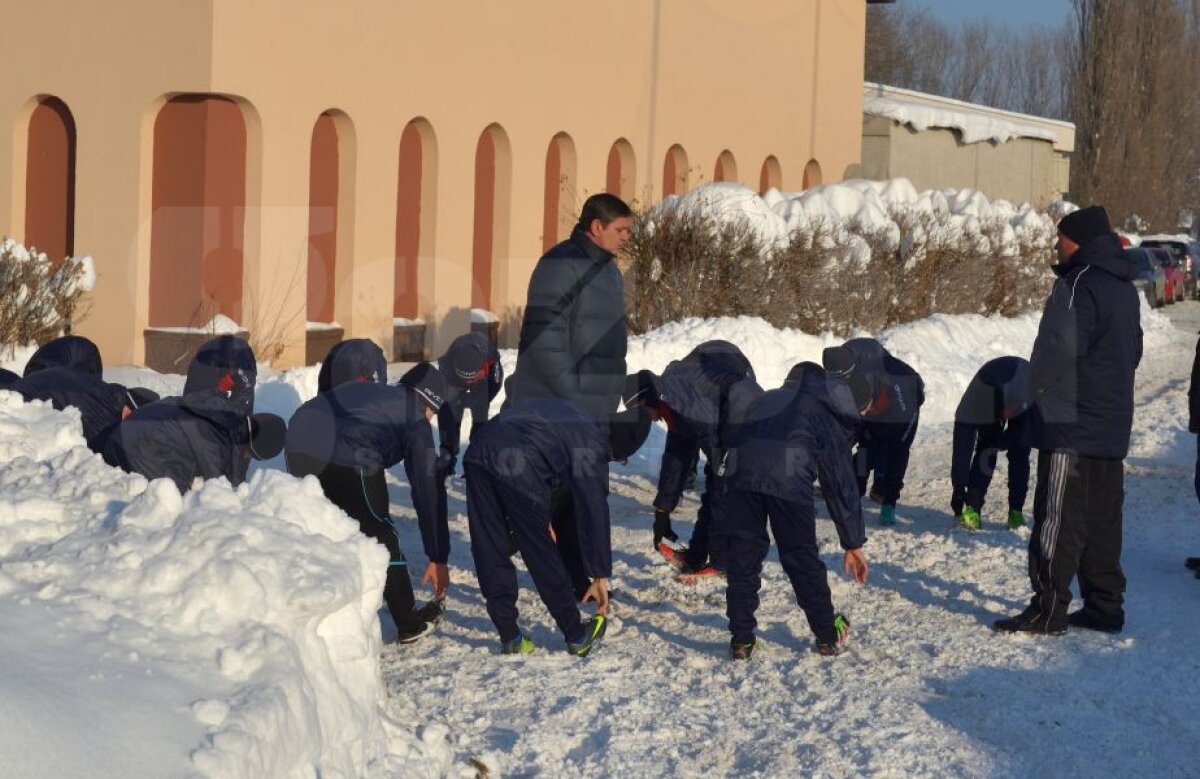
[234,633]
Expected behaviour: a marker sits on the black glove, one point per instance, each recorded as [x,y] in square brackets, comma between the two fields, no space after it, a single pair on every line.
[445,464]
[662,527]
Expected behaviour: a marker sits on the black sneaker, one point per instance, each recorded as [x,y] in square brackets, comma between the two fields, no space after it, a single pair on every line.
[593,631]
[433,612]
[841,627]
[742,651]
[1193,564]
[1088,621]
[1029,621]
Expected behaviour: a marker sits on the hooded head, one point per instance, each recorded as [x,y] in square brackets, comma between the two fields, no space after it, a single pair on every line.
[356,360]
[428,384]
[1085,225]
[640,390]
[467,361]
[70,351]
[221,377]
[802,370]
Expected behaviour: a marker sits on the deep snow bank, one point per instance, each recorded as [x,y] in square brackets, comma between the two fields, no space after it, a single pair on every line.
[241,624]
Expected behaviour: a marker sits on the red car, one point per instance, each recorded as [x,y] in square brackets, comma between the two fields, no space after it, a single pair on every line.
[1176,281]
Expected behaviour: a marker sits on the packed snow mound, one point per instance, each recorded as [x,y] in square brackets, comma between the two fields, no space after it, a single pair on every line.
[891,212]
[237,628]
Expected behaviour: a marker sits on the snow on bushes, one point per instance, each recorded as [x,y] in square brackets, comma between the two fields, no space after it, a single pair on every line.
[857,254]
[37,297]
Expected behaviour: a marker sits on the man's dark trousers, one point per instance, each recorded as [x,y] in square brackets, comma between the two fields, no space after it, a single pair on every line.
[794,528]
[1077,512]
[494,508]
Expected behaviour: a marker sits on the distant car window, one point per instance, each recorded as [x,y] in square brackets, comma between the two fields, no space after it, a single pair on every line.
[1139,258]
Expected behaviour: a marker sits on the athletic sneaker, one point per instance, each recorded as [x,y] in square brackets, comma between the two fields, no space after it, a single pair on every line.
[1016,519]
[673,552]
[841,627]
[1030,620]
[887,514]
[690,575]
[428,617]
[593,631]
[970,518]
[742,651]
[519,645]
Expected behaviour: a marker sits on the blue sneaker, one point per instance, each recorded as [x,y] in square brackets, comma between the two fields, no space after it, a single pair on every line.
[519,645]
[887,514]
[593,631]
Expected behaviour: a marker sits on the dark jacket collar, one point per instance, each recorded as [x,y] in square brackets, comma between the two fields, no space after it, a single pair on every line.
[594,252]
[1105,253]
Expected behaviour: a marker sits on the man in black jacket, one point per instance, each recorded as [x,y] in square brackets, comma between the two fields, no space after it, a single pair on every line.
[1088,347]
[473,374]
[209,432]
[573,338]
[349,435]
[889,421]
[797,435]
[682,452]
[68,372]
[701,399]
[992,417]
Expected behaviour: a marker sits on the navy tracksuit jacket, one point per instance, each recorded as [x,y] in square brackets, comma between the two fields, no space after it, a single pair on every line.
[348,435]
[707,395]
[205,433]
[513,468]
[68,372]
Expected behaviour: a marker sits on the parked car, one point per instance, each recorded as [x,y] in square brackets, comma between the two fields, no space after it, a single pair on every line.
[1175,279]
[1151,279]
[1186,253]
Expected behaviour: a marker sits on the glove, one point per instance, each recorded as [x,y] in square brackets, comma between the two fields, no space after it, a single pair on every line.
[662,527]
[445,464]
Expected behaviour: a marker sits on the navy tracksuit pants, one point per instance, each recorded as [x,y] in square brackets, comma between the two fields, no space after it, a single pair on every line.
[364,497]
[494,508]
[886,455]
[707,544]
[794,527]
[976,451]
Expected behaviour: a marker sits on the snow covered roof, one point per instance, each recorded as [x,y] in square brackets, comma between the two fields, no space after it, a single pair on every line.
[976,123]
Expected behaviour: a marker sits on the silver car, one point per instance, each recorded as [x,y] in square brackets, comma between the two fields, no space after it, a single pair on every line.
[1151,279]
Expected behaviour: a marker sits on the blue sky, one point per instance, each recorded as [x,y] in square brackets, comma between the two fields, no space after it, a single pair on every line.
[1011,13]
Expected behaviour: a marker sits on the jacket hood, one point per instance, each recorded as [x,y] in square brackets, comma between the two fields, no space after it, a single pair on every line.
[356,360]
[220,382]
[1105,253]
[70,351]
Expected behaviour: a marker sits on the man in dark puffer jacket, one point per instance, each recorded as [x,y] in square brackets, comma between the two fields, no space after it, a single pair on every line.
[348,435]
[68,372]
[573,338]
[1088,347]
[209,432]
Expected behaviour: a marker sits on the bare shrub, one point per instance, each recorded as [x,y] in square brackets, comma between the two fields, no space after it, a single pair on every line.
[680,262]
[38,299]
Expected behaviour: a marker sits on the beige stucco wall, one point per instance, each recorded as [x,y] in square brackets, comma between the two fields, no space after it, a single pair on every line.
[778,77]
